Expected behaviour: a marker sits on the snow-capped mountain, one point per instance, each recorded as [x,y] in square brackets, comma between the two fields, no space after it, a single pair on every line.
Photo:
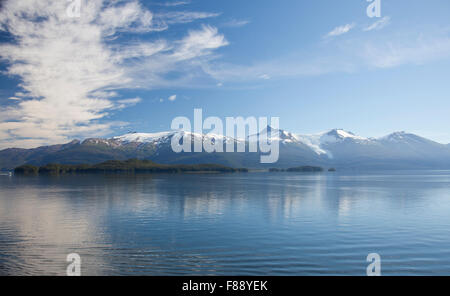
[164,137]
[321,142]
[337,135]
[144,138]
[315,142]
[334,148]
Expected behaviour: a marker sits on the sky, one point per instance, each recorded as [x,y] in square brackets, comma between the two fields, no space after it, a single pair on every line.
[129,65]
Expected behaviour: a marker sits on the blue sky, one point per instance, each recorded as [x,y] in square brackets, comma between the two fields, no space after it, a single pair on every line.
[317,65]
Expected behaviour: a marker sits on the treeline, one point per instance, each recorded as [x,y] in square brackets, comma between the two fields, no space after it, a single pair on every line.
[127,166]
[302,169]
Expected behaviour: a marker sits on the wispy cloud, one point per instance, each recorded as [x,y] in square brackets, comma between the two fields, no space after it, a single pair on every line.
[340,30]
[121,104]
[343,55]
[174,3]
[378,25]
[400,52]
[182,17]
[71,69]
[198,43]
[295,65]
[234,23]
[172,98]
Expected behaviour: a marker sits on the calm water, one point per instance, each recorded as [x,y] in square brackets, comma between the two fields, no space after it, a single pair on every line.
[236,224]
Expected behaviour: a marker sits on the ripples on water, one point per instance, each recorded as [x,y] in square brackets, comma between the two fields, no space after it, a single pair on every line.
[236,224]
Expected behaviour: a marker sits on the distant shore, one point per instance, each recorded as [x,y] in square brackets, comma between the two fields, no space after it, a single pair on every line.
[136,166]
[131,166]
[304,169]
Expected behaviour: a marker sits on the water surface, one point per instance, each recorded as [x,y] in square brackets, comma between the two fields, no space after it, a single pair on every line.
[227,224]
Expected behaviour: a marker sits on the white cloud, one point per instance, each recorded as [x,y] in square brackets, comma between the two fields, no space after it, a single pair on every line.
[172,98]
[343,55]
[132,101]
[175,3]
[400,52]
[127,17]
[72,68]
[234,23]
[127,102]
[182,17]
[199,43]
[340,30]
[21,94]
[378,25]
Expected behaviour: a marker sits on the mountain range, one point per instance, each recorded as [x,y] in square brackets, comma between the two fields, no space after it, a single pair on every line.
[335,148]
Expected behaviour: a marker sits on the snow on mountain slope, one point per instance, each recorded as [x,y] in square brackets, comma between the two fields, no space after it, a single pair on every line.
[318,142]
[164,137]
[143,137]
[313,141]
[331,144]
[274,135]
[410,145]
[404,137]
[337,135]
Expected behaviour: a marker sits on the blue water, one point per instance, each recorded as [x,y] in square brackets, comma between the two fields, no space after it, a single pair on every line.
[227,224]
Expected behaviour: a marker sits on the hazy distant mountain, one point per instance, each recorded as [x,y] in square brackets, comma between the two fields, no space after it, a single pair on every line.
[335,148]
